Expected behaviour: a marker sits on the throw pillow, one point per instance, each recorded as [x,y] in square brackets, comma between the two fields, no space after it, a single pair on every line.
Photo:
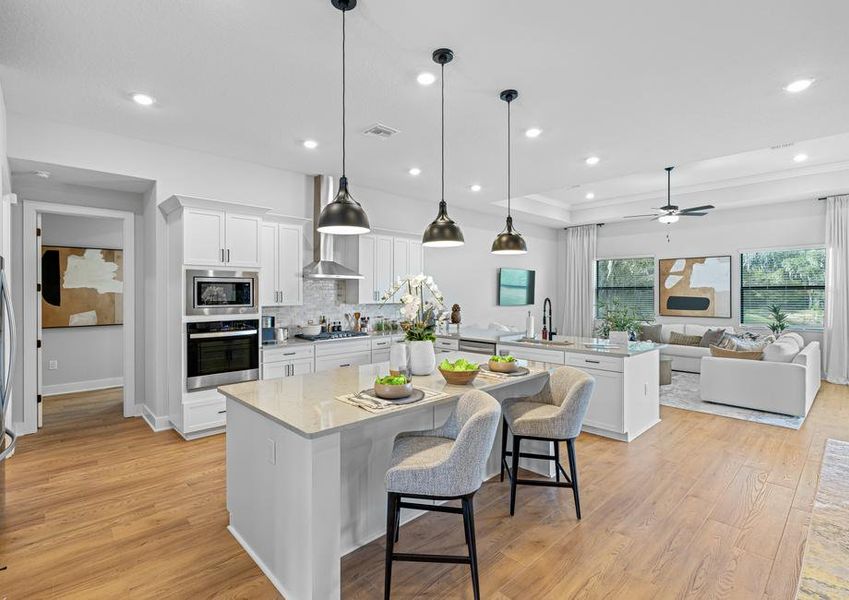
[651,333]
[746,355]
[745,343]
[711,337]
[683,339]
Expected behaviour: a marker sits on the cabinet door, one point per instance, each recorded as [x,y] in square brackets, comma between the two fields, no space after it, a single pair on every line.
[606,409]
[416,257]
[401,259]
[342,360]
[269,287]
[301,367]
[243,240]
[366,286]
[378,356]
[290,265]
[203,237]
[274,370]
[383,267]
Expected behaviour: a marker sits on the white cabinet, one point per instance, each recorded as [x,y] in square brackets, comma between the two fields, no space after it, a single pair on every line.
[416,258]
[606,409]
[383,264]
[220,238]
[342,360]
[407,257]
[532,353]
[281,280]
[381,260]
[286,361]
[446,344]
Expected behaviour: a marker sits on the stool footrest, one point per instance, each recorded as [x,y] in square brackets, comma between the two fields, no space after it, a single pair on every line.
[434,507]
[432,558]
[544,482]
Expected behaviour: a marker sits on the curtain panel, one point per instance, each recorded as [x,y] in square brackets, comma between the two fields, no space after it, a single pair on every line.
[578,290]
[836,321]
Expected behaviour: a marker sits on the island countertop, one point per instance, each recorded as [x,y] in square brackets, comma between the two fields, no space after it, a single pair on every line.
[583,345]
[308,405]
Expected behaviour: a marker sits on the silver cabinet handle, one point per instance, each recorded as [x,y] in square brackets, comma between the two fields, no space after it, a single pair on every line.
[288,354]
[345,365]
[222,334]
[228,254]
[222,255]
[595,362]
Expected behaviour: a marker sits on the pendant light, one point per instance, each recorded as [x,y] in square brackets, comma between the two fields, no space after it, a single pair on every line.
[343,216]
[509,241]
[443,232]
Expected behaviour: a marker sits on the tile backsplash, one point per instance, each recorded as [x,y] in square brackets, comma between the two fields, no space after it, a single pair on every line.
[327,297]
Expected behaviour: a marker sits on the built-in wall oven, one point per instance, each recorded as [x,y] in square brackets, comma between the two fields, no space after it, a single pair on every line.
[221,292]
[221,352]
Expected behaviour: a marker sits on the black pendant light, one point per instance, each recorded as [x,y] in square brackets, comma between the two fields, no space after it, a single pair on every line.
[343,216]
[509,241]
[443,232]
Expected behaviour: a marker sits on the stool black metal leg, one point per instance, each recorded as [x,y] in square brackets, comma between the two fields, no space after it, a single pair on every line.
[469,524]
[391,507]
[514,475]
[504,428]
[573,472]
[397,521]
[556,459]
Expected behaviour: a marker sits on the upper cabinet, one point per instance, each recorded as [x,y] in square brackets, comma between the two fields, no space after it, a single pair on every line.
[381,260]
[281,280]
[216,234]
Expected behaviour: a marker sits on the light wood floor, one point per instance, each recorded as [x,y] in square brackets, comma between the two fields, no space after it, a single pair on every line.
[97,506]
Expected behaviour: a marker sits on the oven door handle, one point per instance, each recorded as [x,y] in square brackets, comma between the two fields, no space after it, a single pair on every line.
[223,334]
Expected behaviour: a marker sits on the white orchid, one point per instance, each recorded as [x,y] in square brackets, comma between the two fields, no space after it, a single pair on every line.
[419,316]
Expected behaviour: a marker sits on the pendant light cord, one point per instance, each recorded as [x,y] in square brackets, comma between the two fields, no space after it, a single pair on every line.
[343,93]
[508,159]
[442,77]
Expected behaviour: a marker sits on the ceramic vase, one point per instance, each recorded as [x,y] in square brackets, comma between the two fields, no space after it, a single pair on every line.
[422,357]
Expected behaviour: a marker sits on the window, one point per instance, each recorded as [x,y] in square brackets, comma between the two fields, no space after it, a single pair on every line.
[629,281]
[793,280]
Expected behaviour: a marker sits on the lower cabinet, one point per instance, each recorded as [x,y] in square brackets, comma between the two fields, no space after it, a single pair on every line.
[205,415]
[287,361]
[606,409]
[337,361]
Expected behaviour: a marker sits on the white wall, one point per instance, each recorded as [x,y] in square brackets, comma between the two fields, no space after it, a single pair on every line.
[723,232]
[100,364]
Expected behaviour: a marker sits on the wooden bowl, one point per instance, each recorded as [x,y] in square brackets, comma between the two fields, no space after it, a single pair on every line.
[503,367]
[393,392]
[460,377]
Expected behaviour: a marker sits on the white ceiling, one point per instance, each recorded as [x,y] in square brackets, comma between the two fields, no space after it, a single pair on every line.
[640,84]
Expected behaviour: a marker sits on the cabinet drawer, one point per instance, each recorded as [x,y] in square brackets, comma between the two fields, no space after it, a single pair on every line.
[381,343]
[342,360]
[538,354]
[287,353]
[347,347]
[204,415]
[378,356]
[589,361]
[447,344]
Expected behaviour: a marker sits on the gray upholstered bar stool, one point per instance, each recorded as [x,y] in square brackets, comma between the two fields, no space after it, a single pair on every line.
[555,414]
[446,463]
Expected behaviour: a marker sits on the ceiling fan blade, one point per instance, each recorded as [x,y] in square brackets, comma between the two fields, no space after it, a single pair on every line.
[692,214]
[638,216]
[695,209]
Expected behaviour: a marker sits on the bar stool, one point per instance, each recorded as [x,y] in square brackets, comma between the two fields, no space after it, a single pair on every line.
[446,463]
[555,414]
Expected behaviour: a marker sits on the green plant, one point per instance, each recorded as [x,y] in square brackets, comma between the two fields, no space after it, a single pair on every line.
[778,322]
[420,315]
[615,316]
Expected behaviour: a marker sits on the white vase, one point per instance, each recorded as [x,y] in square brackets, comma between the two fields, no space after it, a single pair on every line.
[422,358]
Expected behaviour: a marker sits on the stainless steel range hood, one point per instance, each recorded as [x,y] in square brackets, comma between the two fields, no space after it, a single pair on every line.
[323,265]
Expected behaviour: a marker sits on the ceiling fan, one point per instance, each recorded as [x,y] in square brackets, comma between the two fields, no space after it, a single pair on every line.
[671,213]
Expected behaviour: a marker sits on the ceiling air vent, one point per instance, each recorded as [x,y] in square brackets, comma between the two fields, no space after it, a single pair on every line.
[380,131]
[782,146]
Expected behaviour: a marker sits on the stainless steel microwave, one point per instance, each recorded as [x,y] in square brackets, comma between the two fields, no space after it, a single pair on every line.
[221,292]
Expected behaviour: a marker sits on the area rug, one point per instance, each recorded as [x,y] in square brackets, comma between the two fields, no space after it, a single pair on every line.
[825,568]
[684,393]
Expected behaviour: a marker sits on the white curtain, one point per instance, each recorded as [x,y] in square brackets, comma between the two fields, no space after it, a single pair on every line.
[836,334]
[577,287]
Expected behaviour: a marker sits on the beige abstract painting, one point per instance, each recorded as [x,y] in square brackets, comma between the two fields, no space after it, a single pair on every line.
[695,287]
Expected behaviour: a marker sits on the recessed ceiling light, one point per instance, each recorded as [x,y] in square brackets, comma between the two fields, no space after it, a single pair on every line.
[143,99]
[800,158]
[592,160]
[415,171]
[589,196]
[426,78]
[475,187]
[310,144]
[533,132]
[800,85]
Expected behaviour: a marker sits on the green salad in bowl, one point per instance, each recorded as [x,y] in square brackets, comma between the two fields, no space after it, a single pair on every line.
[502,359]
[391,380]
[392,387]
[461,364]
[502,364]
[459,372]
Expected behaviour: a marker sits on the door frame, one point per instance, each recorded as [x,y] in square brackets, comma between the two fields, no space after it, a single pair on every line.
[31,298]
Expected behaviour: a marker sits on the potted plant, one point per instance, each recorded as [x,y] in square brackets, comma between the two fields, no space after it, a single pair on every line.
[616,317]
[419,318]
[779,320]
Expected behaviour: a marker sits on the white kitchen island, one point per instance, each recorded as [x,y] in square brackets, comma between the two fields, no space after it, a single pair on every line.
[305,471]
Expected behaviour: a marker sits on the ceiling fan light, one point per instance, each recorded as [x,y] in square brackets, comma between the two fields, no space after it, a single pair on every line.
[668,219]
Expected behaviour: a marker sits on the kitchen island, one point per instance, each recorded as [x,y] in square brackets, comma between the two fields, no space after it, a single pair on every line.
[305,470]
[626,400]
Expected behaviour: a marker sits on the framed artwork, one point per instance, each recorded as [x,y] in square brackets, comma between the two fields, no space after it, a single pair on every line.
[81,287]
[695,287]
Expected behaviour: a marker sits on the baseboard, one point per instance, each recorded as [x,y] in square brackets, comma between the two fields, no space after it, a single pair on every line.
[156,423]
[82,386]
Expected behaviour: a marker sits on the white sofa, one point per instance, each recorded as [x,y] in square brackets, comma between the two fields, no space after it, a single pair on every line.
[785,382]
[685,358]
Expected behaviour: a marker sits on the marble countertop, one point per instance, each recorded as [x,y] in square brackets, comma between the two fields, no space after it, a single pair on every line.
[580,345]
[307,404]
[296,341]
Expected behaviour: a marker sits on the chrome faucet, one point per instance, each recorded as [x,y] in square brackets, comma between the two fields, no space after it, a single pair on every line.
[547,325]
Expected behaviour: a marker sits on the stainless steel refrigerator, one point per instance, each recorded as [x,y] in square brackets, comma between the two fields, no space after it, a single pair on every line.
[7,366]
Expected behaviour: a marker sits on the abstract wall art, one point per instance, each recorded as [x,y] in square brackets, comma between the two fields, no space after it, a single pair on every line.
[81,286]
[695,287]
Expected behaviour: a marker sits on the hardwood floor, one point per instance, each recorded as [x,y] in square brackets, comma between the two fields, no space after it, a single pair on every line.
[98,506]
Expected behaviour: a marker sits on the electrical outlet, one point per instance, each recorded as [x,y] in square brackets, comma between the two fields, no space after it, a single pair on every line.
[52,365]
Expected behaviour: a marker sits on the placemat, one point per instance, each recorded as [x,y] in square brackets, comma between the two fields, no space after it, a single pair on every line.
[373,404]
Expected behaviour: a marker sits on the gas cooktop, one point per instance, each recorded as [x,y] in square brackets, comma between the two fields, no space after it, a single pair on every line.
[333,335]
